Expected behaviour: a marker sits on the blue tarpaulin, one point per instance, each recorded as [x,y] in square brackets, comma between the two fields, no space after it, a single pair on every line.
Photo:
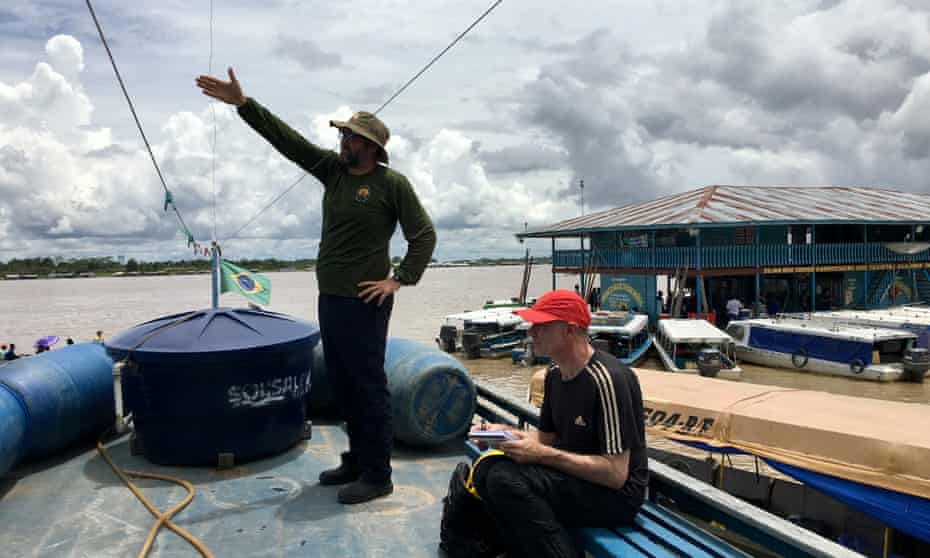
[903,512]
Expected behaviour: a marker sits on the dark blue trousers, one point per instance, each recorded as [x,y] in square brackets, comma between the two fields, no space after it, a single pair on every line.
[354,338]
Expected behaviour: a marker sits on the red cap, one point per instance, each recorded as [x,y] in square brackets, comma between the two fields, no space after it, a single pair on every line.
[558,306]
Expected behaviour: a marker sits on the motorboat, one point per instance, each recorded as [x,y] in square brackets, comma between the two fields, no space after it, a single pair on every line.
[489,332]
[622,334]
[697,347]
[852,351]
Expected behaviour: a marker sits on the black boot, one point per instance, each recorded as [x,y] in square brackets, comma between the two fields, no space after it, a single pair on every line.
[348,471]
[362,491]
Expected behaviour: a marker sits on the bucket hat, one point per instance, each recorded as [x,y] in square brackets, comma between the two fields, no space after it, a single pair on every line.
[368,126]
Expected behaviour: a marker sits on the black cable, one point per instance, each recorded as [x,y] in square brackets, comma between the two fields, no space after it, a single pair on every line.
[438,56]
[135,117]
[383,105]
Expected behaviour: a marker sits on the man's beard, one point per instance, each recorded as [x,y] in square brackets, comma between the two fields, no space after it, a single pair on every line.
[350,158]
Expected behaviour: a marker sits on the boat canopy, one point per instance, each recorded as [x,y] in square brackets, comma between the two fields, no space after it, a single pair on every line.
[882,318]
[633,325]
[692,331]
[856,333]
[501,316]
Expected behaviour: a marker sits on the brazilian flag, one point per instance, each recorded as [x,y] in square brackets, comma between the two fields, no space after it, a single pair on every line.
[253,286]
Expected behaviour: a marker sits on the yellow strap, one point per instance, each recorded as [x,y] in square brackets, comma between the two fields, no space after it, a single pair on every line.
[470,481]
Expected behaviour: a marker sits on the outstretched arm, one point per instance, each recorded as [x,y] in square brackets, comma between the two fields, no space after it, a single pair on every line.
[284,138]
[230,92]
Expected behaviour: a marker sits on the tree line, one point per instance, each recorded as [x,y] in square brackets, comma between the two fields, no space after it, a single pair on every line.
[46,265]
[108,264]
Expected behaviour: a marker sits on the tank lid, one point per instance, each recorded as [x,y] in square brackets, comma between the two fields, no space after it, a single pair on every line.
[212,330]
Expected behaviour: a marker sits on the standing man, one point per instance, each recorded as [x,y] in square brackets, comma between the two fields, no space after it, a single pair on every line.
[586,465]
[733,307]
[363,202]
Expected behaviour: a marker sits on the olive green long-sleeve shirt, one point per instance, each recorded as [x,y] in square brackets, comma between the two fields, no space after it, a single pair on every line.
[360,212]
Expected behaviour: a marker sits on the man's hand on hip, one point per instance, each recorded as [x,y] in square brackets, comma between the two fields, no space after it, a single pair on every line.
[380,290]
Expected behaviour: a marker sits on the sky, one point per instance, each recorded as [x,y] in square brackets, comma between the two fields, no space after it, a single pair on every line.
[640,99]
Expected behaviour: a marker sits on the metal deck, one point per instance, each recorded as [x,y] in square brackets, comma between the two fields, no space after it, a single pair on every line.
[75,506]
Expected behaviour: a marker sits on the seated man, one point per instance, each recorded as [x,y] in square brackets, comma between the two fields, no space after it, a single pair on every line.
[586,465]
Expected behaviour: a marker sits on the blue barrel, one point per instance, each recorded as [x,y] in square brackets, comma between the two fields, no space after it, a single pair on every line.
[60,396]
[432,395]
[12,428]
[216,381]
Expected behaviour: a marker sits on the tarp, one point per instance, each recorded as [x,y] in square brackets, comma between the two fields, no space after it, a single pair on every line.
[885,444]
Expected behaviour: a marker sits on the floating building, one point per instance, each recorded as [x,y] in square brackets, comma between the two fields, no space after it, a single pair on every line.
[776,249]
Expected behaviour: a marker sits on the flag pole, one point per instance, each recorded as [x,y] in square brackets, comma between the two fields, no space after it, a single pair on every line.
[215,274]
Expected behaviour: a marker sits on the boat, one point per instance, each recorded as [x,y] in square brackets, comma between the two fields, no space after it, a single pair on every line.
[696,347]
[66,500]
[511,303]
[622,334]
[868,454]
[912,318]
[490,332]
[858,352]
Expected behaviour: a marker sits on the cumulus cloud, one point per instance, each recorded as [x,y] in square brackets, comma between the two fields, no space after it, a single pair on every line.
[794,93]
[51,98]
[65,54]
[75,182]
[497,135]
[307,53]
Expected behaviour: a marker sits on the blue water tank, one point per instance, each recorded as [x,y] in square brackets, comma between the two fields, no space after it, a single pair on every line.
[216,381]
[52,399]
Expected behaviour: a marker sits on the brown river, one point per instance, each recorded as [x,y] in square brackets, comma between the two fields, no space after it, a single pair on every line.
[78,307]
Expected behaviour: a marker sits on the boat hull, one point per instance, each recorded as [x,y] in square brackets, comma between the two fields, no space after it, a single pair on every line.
[775,359]
[638,354]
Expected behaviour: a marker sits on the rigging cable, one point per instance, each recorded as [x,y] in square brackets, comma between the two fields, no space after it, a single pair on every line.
[272,202]
[383,105]
[213,111]
[438,56]
[168,197]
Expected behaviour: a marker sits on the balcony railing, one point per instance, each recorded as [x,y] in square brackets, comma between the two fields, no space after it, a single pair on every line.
[719,257]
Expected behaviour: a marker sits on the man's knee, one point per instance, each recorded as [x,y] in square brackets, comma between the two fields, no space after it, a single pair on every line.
[500,479]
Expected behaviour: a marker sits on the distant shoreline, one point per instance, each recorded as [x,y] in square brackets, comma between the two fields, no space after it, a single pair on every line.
[29,276]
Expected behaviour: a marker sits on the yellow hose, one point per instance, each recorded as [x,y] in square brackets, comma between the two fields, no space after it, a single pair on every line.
[163,519]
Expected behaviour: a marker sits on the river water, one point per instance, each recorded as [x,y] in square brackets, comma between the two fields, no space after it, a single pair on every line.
[77,308]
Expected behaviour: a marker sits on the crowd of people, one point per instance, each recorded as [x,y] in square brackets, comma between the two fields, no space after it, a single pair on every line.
[8,351]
